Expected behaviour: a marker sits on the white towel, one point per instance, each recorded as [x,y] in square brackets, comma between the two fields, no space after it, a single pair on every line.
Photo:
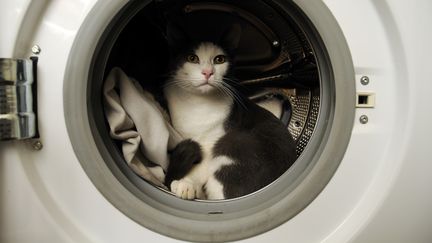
[137,120]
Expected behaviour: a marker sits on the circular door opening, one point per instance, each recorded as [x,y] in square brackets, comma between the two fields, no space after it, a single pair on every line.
[298,60]
[278,70]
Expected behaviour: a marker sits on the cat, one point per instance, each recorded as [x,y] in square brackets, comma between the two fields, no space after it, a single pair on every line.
[232,146]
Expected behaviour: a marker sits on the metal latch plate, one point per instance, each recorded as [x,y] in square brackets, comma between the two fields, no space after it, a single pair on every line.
[17,116]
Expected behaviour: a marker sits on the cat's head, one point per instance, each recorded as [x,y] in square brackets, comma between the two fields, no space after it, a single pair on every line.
[202,67]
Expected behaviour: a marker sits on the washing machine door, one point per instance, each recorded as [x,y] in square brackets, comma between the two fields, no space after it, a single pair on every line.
[58,186]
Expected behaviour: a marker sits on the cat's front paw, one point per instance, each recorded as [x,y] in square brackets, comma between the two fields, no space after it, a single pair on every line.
[186,189]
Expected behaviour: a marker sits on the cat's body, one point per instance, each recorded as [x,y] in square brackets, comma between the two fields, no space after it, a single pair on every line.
[233,147]
[200,119]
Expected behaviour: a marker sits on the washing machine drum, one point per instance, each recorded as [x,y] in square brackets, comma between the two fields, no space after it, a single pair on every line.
[284,55]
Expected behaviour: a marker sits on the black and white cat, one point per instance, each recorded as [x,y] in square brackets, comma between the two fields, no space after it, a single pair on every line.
[233,147]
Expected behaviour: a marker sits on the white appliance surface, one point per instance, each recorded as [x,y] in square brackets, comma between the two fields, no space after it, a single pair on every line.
[381,191]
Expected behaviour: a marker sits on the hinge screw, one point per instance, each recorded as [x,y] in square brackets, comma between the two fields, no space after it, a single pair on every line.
[364,80]
[36,49]
[364,119]
[37,145]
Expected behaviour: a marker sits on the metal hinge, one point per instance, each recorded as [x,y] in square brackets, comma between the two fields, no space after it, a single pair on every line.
[18,98]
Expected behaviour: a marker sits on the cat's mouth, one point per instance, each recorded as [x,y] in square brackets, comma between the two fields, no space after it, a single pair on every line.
[206,86]
[204,82]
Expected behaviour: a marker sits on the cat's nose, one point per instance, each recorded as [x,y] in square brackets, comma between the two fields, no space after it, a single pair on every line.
[207,73]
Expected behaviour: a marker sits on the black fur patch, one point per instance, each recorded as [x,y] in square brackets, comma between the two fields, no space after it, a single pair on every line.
[184,156]
[260,145]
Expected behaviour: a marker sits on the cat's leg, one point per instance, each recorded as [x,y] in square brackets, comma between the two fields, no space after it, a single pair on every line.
[202,176]
[191,186]
[187,172]
[214,188]
[182,159]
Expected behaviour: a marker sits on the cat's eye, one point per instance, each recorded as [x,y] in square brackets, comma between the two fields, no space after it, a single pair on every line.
[219,59]
[193,58]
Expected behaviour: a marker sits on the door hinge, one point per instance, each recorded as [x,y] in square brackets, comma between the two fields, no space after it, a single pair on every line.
[18,98]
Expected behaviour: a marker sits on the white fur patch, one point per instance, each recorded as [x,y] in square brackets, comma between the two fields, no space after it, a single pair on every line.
[213,188]
[218,162]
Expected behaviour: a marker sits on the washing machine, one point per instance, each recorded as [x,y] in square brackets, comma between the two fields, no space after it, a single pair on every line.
[356,76]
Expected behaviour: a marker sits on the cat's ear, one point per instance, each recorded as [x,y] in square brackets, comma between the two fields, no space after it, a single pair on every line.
[230,39]
[176,36]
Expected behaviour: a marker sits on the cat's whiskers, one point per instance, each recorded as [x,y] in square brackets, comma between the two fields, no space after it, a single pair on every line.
[224,85]
[230,91]
[224,92]
[180,83]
